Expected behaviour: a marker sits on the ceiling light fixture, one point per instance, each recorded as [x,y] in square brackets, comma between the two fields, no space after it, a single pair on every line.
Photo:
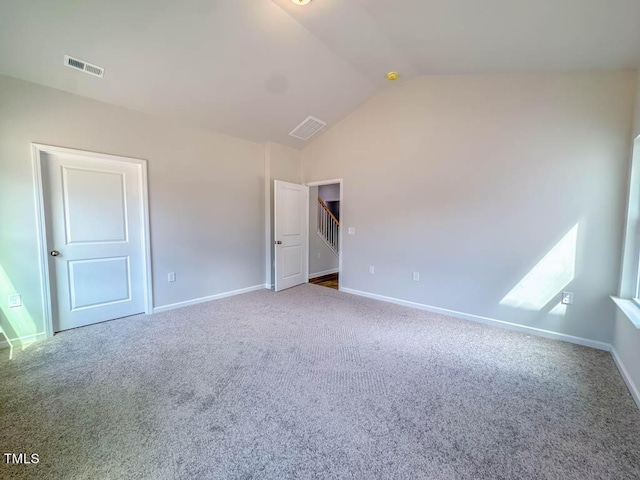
[393,76]
[300,2]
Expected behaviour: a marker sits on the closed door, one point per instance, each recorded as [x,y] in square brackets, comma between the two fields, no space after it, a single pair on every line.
[94,238]
[290,234]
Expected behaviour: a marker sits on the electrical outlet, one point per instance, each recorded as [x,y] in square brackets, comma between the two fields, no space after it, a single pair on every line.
[567,298]
[416,276]
[15,301]
[171,277]
[372,270]
[351,231]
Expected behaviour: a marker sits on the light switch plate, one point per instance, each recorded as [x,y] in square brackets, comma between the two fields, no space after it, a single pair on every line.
[351,231]
[171,277]
[15,301]
[567,298]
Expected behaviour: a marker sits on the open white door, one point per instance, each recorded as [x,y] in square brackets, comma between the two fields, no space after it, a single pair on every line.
[290,234]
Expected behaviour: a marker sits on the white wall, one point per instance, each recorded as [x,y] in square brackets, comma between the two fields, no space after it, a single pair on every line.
[322,260]
[486,175]
[206,195]
[281,163]
[626,338]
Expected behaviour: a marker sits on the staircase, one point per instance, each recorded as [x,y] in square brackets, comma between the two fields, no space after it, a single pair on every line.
[328,227]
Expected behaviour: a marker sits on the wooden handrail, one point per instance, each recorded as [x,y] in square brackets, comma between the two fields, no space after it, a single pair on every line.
[324,205]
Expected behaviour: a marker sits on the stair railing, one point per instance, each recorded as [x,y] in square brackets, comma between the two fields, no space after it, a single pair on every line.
[328,227]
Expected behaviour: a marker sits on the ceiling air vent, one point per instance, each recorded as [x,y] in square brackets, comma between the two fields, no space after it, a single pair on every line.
[83,66]
[308,128]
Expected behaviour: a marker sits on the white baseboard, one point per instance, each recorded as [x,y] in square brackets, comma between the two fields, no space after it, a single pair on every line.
[322,274]
[20,342]
[26,340]
[486,320]
[218,296]
[5,342]
[633,388]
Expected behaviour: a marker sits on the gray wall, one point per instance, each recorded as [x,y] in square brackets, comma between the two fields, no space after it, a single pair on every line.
[626,345]
[321,258]
[329,193]
[485,176]
[206,195]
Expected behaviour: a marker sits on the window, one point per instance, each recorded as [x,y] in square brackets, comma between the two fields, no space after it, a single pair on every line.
[629,296]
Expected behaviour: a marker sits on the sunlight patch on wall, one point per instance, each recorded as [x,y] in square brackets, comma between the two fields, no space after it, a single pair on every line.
[559,310]
[20,322]
[547,279]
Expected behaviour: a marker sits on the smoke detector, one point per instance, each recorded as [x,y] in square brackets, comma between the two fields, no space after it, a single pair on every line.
[308,128]
[83,66]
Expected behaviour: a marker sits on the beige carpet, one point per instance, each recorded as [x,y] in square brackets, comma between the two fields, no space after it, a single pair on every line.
[312,383]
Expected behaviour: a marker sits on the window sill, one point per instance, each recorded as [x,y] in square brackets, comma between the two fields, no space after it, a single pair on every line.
[629,308]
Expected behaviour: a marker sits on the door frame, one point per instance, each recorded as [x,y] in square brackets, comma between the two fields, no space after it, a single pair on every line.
[37,150]
[340,232]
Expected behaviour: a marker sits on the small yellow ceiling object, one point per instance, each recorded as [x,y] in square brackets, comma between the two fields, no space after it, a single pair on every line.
[393,76]
[300,2]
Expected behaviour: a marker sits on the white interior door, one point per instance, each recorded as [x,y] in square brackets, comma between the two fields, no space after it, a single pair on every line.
[94,238]
[290,234]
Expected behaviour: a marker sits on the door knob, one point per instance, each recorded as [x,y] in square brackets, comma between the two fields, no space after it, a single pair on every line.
[278,242]
[54,253]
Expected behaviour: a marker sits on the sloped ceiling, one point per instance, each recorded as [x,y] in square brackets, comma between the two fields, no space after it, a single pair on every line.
[256,68]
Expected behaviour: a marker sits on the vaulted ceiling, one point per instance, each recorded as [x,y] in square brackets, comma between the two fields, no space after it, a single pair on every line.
[256,68]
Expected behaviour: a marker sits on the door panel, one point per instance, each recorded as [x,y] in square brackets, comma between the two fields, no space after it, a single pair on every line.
[100,281]
[92,193]
[290,234]
[290,216]
[94,223]
[291,260]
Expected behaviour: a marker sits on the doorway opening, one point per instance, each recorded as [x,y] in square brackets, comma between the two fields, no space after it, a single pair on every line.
[325,233]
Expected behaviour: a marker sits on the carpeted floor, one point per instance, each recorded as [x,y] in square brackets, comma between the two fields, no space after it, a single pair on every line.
[311,383]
